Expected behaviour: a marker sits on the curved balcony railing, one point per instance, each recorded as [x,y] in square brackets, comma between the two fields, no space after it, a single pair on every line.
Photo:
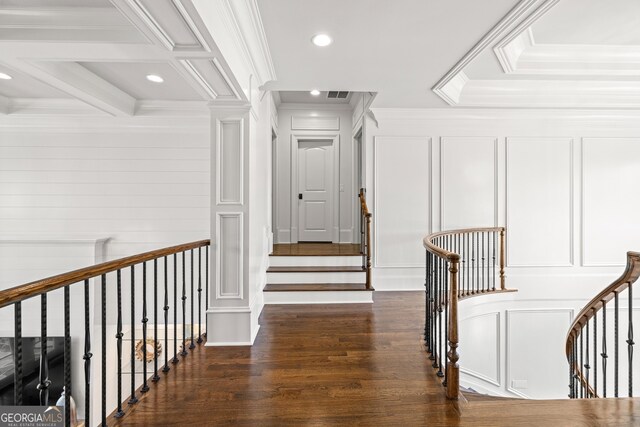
[600,341]
[459,264]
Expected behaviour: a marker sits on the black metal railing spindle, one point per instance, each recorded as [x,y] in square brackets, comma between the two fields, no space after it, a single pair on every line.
[165,308]
[155,377]
[145,319]
[67,358]
[199,296]
[87,354]
[133,399]
[119,412]
[17,355]
[630,342]
[193,344]
[615,345]
[103,350]
[184,306]
[604,354]
[43,381]
[175,310]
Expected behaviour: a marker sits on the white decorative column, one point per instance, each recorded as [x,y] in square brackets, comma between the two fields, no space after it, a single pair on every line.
[229,316]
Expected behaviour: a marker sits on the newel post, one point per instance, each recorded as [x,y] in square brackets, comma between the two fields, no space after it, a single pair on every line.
[453,370]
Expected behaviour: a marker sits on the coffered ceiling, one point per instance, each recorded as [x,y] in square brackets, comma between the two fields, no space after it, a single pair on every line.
[96,54]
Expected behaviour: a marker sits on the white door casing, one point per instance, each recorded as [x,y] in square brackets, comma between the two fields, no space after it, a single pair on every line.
[316,190]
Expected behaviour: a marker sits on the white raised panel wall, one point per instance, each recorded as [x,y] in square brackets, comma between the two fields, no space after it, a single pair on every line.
[401,201]
[610,202]
[468,182]
[480,345]
[539,202]
[537,337]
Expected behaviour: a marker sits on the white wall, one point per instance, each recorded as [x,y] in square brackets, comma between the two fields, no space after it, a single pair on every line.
[314,120]
[560,181]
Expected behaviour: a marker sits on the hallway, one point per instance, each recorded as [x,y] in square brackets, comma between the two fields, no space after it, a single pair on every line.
[340,365]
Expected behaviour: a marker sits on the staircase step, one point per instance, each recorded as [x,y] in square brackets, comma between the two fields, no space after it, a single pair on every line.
[314,261]
[316,269]
[313,287]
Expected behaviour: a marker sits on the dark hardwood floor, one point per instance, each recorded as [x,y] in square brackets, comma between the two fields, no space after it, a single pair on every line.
[341,365]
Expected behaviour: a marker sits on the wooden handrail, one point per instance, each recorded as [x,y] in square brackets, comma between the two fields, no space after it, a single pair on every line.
[448,281]
[366,236]
[628,277]
[39,287]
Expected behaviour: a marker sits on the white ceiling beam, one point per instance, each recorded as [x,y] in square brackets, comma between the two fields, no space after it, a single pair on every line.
[77,81]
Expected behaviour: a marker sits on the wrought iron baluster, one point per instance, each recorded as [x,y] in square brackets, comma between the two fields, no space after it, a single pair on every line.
[184,306]
[604,349]
[17,355]
[175,310]
[572,366]
[595,353]
[133,399]
[473,262]
[67,356]
[200,295]
[206,282]
[615,344]
[145,386]
[165,308]
[434,302]
[580,380]
[43,382]
[103,352]
[441,350]
[155,377]
[630,342]
[483,256]
[446,321]
[426,300]
[587,367]
[192,345]
[119,412]
[87,355]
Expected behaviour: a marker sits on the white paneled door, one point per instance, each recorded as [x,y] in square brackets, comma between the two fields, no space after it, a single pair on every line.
[315,191]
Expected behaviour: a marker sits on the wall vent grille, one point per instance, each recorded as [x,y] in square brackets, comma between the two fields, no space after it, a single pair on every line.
[334,94]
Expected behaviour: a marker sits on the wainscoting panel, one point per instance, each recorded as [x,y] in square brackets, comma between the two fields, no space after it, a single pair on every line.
[229,162]
[401,198]
[482,334]
[538,336]
[468,182]
[229,265]
[610,203]
[539,202]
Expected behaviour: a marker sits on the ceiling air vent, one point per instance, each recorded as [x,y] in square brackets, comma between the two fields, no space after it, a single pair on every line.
[334,94]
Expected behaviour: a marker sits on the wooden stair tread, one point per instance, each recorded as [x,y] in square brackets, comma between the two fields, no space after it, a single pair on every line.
[315,287]
[335,269]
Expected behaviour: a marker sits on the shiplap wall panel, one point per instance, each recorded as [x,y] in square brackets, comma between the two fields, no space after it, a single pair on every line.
[468,182]
[315,123]
[539,202]
[144,189]
[401,200]
[611,173]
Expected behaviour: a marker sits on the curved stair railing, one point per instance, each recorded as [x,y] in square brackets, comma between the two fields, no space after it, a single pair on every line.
[600,340]
[459,264]
[171,274]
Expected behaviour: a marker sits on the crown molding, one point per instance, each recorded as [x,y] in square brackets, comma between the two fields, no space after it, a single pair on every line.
[509,50]
[508,22]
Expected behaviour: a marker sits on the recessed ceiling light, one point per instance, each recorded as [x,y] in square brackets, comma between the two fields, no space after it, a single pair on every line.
[4,76]
[155,78]
[322,40]
[315,92]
